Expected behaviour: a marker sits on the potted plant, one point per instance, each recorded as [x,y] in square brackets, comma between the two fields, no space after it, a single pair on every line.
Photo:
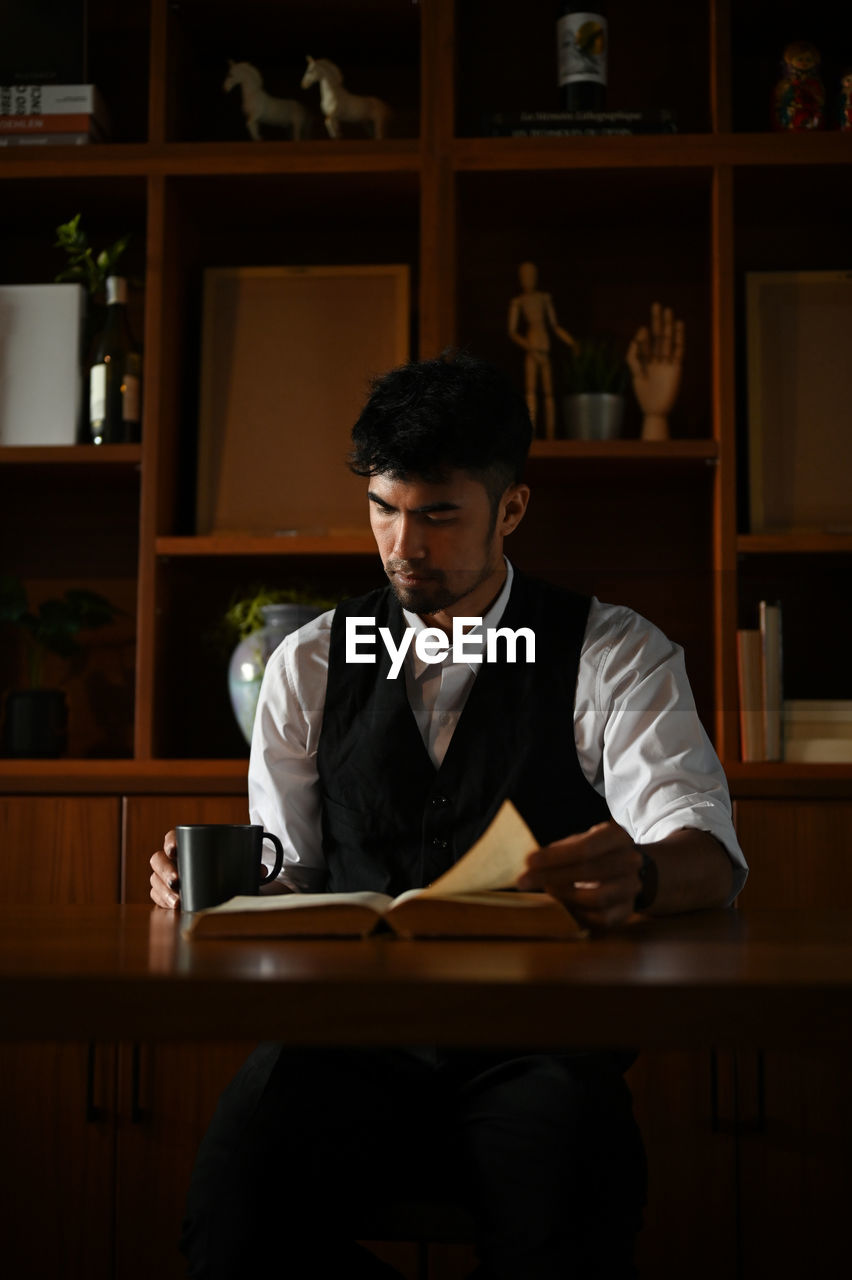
[36,718]
[84,266]
[596,377]
[258,621]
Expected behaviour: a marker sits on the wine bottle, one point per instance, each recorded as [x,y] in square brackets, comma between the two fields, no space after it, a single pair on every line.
[582,40]
[114,374]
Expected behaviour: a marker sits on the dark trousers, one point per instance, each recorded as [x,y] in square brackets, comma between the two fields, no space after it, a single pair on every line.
[542,1148]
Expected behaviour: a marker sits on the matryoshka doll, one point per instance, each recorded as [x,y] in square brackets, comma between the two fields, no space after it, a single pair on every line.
[799,97]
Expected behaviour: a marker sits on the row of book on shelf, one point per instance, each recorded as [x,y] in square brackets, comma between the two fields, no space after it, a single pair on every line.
[52,115]
[806,731]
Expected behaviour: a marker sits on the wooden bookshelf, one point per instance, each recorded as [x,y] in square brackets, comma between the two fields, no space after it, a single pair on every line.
[613,222]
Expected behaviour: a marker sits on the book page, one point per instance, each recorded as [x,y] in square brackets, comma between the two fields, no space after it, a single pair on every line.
[377,902]
[494,862]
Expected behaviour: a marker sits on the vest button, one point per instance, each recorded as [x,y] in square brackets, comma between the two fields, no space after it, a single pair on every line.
[438,802]
[437,843]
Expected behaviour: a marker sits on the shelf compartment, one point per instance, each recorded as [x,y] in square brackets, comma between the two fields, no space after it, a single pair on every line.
[192,713]
[377,48]
[759,33]
[606,244]
[816,611]
[659,63]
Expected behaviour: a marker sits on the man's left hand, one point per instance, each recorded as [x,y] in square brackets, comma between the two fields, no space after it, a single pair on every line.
[595,873]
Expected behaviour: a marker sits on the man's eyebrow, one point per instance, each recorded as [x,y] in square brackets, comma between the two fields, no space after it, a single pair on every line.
[426,509]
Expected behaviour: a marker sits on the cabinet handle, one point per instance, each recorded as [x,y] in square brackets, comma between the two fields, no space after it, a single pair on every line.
[720,1123]
[94,1114]
[137,1115]
[715,1124]
[758,1124]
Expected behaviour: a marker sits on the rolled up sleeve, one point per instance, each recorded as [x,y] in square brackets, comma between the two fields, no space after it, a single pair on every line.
[639,739]
[283,783]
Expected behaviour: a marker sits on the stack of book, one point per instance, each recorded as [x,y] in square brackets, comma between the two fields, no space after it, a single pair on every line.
[50,115]
[818,731]
[759,672]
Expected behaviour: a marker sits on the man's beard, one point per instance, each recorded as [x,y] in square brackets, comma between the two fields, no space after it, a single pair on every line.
[433,594]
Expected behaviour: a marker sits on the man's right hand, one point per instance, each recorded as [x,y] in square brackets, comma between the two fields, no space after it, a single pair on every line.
[164,874]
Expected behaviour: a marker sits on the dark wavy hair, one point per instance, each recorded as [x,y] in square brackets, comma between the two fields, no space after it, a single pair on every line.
[429,417]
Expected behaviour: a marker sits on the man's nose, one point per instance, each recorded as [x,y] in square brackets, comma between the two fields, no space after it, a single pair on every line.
[408,540]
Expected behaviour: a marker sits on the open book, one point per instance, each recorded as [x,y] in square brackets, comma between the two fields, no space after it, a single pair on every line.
[472,900]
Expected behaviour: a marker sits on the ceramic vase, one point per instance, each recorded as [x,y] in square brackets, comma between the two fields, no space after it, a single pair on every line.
[249,659]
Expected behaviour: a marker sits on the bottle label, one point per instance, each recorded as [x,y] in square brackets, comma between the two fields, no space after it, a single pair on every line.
[97,392]
[130,398]
[582,40]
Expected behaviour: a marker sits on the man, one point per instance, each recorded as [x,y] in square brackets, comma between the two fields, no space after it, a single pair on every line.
[381,783]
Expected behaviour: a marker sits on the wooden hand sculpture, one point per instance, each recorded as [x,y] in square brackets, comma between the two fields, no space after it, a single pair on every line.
[655,360]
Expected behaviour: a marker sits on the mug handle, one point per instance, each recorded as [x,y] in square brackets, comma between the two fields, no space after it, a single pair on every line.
[279,856]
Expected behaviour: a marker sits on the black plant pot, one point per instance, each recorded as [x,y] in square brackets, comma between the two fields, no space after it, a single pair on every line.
[36,723]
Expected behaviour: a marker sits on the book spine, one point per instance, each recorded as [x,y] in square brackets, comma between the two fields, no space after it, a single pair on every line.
[750,680]
[58,122]
[45,139]
[41,99]
[772,699]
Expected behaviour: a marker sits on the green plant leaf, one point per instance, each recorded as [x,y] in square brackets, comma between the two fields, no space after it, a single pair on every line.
[13,599]
[244,615]
[89,608]
[85,266]
[595,365]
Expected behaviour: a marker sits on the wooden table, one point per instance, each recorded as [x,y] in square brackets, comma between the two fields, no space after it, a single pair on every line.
[773,979]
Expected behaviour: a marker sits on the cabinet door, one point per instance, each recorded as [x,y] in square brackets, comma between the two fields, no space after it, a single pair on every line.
[681,1102]
[59,848]
[167,1092]
[56,1217]
[795,1138]
[799,852]
[795,1108]
[148,818]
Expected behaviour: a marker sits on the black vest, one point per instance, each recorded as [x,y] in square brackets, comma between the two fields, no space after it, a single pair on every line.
[391,820]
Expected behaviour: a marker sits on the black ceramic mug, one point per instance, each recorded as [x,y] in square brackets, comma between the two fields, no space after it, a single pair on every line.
[217,860]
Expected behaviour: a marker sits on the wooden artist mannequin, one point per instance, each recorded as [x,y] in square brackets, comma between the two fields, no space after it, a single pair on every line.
[531,318]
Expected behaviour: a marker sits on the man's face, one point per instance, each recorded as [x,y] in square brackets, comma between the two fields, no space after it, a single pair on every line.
[439,542]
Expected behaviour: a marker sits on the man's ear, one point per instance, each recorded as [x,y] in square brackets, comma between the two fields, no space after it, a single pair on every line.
[513,505]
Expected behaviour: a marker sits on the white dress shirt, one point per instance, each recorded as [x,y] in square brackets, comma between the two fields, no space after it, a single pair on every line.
[639,740]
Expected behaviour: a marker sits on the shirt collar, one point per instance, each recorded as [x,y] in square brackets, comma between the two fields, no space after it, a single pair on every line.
[488,620]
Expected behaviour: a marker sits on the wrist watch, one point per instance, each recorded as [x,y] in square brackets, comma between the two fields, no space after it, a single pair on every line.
[647,879]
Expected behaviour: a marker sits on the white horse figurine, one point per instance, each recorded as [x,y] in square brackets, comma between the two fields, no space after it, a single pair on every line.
[262,108]
[338,104]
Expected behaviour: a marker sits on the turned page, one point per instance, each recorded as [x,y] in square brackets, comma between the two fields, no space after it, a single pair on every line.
[494,862]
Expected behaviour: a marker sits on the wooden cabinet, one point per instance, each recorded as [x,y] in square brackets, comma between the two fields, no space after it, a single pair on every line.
[795,1116]
[691,1215]
[60,1098]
